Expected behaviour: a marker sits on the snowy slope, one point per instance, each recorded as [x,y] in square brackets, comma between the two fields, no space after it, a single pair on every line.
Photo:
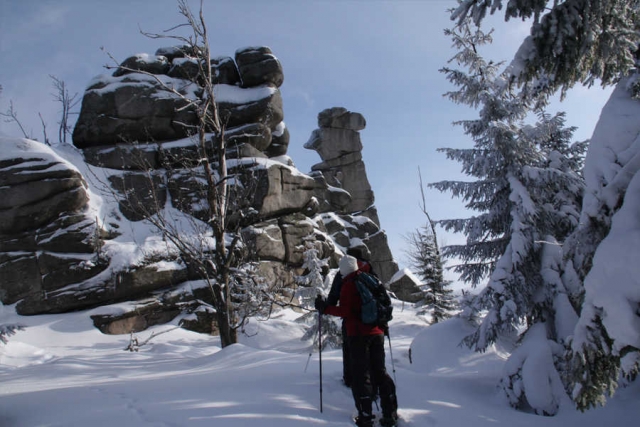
[60,371]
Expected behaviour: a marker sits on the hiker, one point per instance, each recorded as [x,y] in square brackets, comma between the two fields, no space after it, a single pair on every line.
[332,299]
[366,351]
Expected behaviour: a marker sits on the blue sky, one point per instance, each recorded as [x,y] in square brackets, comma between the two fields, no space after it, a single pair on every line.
[379,58]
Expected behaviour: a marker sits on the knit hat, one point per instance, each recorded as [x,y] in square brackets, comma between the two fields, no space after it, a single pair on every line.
[348,265]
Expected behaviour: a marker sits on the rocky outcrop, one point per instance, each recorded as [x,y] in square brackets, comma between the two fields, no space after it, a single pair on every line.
[133,107]
[337,141]
[105,287]
[280,239]
[343,187]
[137,103]
[56,255]
[359,231]
[46,236]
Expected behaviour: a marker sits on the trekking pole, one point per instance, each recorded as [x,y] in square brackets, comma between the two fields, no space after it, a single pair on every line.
[393,365]
[320,353]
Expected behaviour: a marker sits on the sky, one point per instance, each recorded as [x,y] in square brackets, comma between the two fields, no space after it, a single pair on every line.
[60,371]
[378,58]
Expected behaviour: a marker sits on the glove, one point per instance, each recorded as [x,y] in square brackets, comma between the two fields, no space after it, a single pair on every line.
[320,304]
[385,329]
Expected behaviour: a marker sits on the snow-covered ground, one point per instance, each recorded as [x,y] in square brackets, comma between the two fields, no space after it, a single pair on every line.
[61,371]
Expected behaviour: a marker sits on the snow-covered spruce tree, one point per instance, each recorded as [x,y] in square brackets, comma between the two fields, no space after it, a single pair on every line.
[426,261]
[582,41]
[311,284]
[571,40]
[528,192]
[603,253]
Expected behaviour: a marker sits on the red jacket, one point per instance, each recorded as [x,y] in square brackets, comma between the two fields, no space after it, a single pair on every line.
[350,305]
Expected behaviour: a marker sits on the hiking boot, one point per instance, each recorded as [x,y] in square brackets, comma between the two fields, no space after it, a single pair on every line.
[364,420]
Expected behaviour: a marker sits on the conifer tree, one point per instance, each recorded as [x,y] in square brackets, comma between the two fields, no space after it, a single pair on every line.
[601,255]
[527,195]
[311,284]
[426,261]
[571,40]
[581,41]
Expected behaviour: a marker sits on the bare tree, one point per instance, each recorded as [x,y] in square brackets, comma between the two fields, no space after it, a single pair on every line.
[237,291]
[11,116]
[68,102]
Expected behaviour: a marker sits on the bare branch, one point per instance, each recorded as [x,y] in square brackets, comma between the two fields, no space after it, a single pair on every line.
[44,130]
[12,117]
[68,102]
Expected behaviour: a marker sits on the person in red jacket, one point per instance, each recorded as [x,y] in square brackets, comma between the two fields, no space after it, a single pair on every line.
[362,255]
[366,344]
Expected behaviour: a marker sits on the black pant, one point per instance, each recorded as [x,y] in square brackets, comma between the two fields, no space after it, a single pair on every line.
[346,362]
[369,374]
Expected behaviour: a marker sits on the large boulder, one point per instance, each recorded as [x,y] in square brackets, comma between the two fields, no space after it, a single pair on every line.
[134,107]
[60,253]
[143,62]
[283,239]
[240,106]
[282,190]
[36,186]
[257,135]
[279,141]
[257,66]
[350,175]
[330,198]
[225,71]
[333,144]
[185,68]
[341,118]
[46,240]
[265,241]
[140,156]
[406,286]
[138,318]
[105,288]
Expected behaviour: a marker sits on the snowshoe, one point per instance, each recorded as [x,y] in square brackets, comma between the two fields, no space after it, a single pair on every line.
[388,422]
[391,421]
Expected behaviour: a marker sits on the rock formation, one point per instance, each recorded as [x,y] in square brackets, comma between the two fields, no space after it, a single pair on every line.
[46,240]
[61,250]
[351,221]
